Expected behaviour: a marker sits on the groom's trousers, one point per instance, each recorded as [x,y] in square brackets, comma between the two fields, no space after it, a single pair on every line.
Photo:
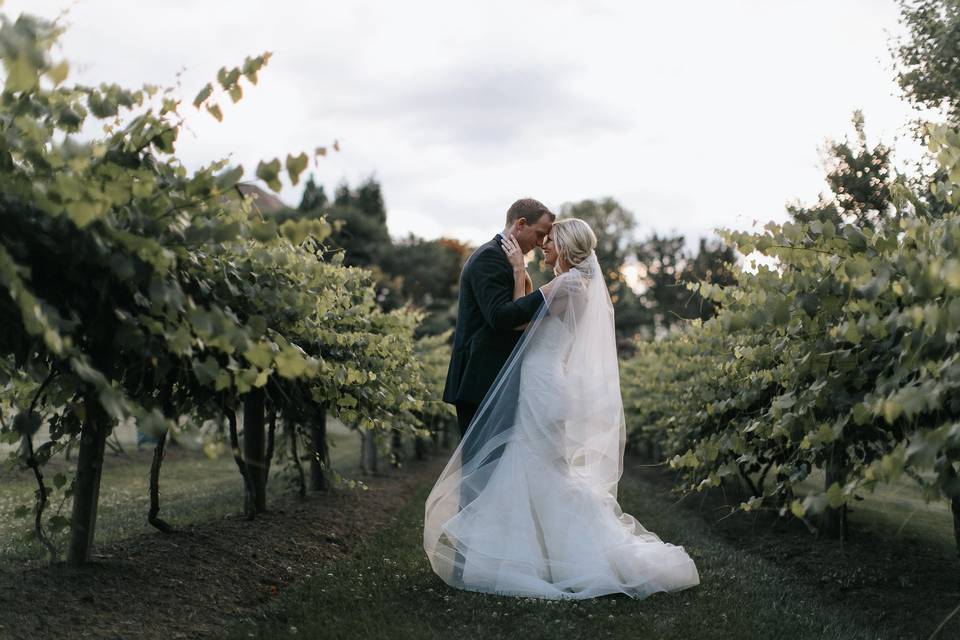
[465,413]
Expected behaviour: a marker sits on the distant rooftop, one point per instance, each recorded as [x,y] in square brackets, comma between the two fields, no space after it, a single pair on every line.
[266,202]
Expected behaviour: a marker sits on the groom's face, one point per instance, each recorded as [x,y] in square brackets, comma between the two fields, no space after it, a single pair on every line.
[531,235]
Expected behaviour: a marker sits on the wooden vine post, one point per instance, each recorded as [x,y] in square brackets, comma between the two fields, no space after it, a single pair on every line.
[86,494]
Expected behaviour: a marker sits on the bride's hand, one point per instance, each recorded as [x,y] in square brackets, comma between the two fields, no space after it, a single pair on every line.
[511,247]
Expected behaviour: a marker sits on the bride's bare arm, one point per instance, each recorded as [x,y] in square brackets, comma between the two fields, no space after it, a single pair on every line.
[545,289]
[520,277]
[559,291]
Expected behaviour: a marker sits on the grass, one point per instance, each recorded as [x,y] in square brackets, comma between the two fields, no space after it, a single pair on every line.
[761,577]
[193,488]
[899,511]
[388,590]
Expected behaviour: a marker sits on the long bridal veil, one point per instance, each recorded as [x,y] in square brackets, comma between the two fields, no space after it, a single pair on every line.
[527,503]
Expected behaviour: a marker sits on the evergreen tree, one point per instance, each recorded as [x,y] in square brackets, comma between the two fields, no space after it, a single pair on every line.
[314,198]
[362,232]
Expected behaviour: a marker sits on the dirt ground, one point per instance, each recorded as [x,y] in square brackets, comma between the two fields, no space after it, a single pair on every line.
[192,583]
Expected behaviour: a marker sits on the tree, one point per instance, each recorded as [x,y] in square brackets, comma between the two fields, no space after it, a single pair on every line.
[362,233]
[614,227]
[713,265]
[928,56]
[664,294]
[429,269]
[667,270]
[860,181]
[114,309]
[426,274]
[314,198]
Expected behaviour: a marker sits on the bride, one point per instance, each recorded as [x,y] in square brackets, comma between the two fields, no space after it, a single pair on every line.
[527,504]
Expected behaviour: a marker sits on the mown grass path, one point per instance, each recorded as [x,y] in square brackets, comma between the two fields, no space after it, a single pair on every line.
[760,578]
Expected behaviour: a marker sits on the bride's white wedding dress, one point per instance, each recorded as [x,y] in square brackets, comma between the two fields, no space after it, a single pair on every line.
[527,504]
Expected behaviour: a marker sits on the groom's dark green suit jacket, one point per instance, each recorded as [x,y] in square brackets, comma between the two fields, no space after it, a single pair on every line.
[486,323]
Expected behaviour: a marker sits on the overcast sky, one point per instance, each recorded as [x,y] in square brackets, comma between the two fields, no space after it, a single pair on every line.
[693,114]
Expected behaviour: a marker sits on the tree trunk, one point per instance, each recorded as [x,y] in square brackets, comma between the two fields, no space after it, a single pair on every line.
[955,508]
[954,505]
[396,450]
[158,453]
[295,456]
[834,521]
[248,507]
[86,495]
[254,446]
[115,446]
[271,443]
[41,502]
[320,458]
[368,452]
[445,436]
[435,426]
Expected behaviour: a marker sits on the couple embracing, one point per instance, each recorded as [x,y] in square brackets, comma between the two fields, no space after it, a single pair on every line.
[527,504]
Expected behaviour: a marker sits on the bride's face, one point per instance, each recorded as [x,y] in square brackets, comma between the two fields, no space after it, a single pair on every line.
[550,254]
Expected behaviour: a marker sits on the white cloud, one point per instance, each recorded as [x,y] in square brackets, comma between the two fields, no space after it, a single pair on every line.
[693,114]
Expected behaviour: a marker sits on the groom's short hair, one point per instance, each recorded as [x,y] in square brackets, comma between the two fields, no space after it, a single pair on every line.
[530,210]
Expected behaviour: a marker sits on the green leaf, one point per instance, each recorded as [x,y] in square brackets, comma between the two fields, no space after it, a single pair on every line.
[951,275]
[21,74]
[291,363]
[206,371]
[58,72]
[58,523]
[835,497]
[26,423]
[891,410]
[82,212]
[203,95]
[229,178]
[260,354]
[264,231]
[229,78]
[797,509]
[257,324]
[295,166]
[214,110]
[269,172]
[294,230]
[223,380]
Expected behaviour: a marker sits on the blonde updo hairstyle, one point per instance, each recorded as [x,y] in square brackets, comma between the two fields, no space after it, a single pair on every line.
[575,241]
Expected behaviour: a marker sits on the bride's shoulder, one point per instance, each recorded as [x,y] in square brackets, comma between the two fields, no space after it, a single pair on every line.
[567,283]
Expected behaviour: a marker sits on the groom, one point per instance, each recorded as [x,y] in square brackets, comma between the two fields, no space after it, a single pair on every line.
[488,316]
